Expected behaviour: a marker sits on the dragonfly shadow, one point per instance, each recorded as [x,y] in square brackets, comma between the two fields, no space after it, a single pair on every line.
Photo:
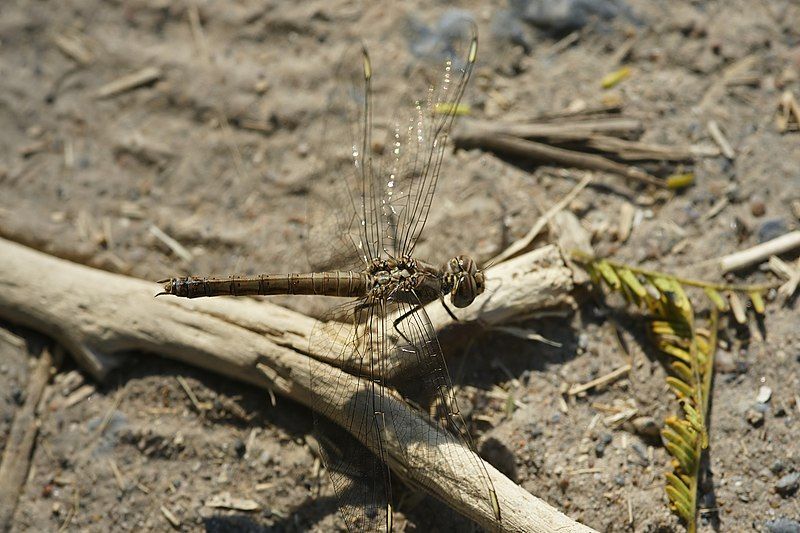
[508,356]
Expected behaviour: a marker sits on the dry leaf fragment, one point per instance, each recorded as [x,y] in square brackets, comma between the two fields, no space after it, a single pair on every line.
[613,78]
[788,117]
[625,224]
[680,181]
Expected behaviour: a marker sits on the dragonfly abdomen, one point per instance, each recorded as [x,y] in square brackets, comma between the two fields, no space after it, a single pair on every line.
[339,283]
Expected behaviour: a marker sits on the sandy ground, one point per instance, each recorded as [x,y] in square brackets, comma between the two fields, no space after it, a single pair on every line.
[219,153]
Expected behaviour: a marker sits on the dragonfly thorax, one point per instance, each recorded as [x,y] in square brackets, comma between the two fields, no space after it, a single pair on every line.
[406,279]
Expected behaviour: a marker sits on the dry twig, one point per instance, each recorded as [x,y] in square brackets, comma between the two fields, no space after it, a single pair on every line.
[719,138]
[600,382]
[21,437]
[129,81]
[551,155]
[522,244]
[757,254]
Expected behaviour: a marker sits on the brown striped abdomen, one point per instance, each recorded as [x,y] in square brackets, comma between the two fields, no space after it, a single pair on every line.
[340,283]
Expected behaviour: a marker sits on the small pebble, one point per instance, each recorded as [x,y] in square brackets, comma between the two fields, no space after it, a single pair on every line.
[777,467]
[757,208]
[754,417]
[619,479]
[764,394]
[783,525]
[641,451]
[599,449]
[788,484]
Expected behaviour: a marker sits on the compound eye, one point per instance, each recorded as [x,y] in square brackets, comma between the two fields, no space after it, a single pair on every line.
[464,292]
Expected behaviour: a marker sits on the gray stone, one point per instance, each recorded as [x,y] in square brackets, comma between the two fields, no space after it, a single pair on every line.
[788,484]
[783,525]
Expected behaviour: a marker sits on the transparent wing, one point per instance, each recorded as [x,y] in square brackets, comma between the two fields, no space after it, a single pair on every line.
[373,199]
[427,384]
[344,222]
[354,452]
[410,164]
[366,337]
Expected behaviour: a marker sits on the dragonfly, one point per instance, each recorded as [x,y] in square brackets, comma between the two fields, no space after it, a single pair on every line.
[372,220]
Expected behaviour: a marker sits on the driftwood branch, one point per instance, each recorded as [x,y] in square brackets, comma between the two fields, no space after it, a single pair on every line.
[99,316]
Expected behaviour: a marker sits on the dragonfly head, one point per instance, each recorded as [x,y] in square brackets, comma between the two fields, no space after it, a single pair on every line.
[467,280]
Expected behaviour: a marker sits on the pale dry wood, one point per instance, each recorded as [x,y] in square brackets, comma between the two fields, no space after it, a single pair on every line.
[787,272]
[99,316]
[176,247]
[788,117]
[515,289]
[74,47]
[129,81]
[561,130]
[719,138]
[573,238]
[601,381]
[457,483]
[760,252]
[21,437]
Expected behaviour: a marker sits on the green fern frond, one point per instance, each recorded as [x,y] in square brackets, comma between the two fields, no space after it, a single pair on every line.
[716,299]
[673,327]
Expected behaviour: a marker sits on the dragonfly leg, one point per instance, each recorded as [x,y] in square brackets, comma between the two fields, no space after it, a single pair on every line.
[403,317]
[449,312]
[414,310]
